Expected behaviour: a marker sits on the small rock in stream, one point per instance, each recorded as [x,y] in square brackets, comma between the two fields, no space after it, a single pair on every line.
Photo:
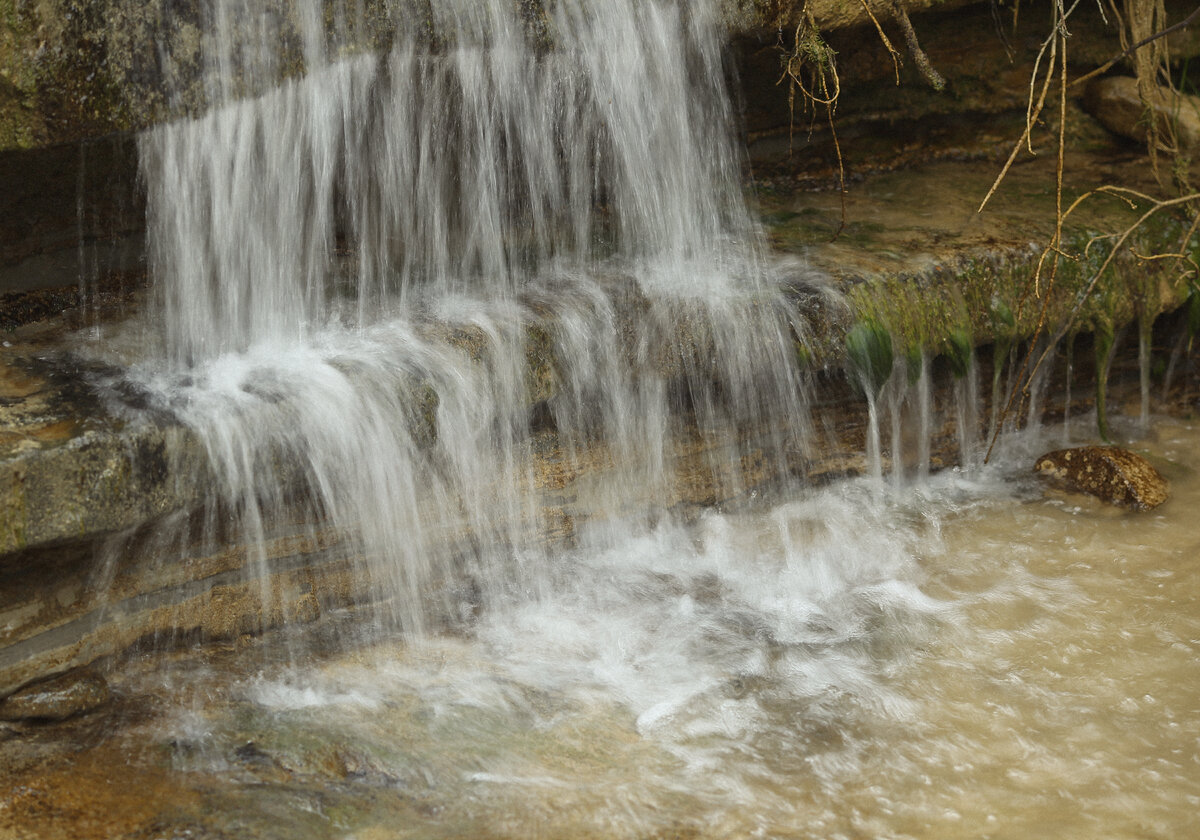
[1112,474]
[62,697]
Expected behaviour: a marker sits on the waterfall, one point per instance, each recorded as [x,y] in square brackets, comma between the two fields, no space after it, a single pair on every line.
[966,405]
[426,173]
[494,406]
[925,423]
[356,263]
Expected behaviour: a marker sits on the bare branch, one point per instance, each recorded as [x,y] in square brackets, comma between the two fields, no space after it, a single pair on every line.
[914,48]
[1162,33]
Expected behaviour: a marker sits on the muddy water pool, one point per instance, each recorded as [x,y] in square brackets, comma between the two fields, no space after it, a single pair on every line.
[969,657]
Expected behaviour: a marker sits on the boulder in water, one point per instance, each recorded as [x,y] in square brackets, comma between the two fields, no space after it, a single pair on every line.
[65,696]
[1112,474]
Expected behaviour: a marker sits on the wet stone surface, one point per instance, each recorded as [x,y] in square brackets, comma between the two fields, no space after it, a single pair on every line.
[71,694]
[1115,475]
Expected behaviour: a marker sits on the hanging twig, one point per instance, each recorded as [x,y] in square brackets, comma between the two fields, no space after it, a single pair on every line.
[1034,110]
[837,147]
[1031,115]
[813,54]
[895,54]
[1054,249]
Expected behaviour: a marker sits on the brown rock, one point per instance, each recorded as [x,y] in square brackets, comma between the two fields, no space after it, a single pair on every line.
[62,697]
[1115,475]
[304,609]
[1115,102]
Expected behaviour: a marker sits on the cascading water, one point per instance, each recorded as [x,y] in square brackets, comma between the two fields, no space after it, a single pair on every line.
[469,169]
[356,264]
[465,311]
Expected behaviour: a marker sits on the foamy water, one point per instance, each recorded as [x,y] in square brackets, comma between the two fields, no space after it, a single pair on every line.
[962,658]
[354,255]
[354,268]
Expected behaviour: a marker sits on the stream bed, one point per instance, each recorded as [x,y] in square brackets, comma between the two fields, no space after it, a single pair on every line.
[381,274]
[964,657]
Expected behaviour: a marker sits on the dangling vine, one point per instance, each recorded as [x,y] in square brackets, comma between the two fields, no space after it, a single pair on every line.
[811,57]
[1142,29]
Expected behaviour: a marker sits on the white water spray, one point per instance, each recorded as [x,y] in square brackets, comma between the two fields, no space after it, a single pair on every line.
[464,170]
[357,265]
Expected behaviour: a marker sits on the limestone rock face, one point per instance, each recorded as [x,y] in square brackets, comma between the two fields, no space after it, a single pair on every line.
[75,69]
[1115,475]
[1114,101]
[65,696]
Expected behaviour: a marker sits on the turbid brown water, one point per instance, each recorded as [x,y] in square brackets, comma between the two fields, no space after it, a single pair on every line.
[955,657]
[968,657]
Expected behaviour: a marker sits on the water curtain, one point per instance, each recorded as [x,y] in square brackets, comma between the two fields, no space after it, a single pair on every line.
[384,271]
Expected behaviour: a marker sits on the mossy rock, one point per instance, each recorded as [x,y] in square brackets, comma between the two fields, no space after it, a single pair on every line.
[1114,475]
[870,356]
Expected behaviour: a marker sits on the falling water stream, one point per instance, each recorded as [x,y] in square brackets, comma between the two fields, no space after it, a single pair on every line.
[355,268]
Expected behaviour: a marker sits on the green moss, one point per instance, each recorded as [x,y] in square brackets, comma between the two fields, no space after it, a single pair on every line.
[993,299]
[869,355]
[959,348]
[17,29]
[921,312]
[20,125]
[804,355]
[912,363]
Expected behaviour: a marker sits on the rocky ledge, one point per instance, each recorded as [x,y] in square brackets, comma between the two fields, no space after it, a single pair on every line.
[904,249]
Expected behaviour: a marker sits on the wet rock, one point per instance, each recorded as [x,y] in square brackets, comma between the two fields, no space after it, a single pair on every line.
[1115,103]
[1115,475]
[252,754]
[65,696]
[304,610]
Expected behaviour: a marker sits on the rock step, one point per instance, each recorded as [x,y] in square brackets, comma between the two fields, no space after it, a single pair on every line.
[65,696]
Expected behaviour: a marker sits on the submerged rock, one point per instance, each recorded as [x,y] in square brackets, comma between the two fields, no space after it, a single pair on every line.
[1114,475]
[70,694]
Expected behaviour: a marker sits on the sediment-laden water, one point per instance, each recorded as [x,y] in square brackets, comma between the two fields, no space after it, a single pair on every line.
[965,657]
[360,266]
